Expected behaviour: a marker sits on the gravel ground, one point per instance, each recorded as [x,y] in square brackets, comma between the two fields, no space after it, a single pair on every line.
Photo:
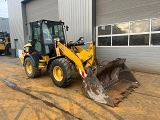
[40,99]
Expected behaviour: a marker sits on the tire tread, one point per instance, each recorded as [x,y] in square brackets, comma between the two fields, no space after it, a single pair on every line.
[69,71]
[36,72]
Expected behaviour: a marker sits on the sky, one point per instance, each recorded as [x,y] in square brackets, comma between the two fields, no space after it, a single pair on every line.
[3,9]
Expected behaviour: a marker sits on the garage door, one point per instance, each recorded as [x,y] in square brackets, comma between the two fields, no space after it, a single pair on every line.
[42,9]
[116,11]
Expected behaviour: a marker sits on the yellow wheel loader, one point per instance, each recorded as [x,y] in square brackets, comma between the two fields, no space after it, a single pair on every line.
[5,45]
[48,48]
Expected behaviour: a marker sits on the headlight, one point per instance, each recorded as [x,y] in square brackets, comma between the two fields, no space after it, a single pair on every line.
[1,40]
[57,39]
[26,49]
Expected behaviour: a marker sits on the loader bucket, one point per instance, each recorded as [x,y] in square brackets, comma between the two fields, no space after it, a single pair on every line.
[112,83]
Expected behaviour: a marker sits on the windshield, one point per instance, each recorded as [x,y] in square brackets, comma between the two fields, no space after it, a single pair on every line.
[1,34]
[52,30]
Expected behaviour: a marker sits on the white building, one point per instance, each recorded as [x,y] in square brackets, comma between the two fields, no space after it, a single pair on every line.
[122,29]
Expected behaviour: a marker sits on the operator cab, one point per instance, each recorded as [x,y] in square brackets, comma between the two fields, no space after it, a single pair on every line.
[4,35]
[43,33]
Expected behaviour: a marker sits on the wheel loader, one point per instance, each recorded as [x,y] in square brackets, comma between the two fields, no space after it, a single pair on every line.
[5,45]
[48,48]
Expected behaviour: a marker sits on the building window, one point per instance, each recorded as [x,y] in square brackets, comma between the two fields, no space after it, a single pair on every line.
[155,39]
[139,26]
[104,30]
[139,39]
[121,28]
[134,33]
[155,24]
[104,41]
[120,41]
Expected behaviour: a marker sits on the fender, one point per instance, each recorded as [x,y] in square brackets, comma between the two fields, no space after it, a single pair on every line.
[34,57]
[53,58]
[8,44]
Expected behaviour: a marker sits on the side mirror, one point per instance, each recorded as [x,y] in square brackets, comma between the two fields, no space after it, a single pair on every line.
[81,39]
[29,41]
[37,24]
[67,28]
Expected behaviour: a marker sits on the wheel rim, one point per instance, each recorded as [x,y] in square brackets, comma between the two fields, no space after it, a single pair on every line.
[29,67]
[58,73]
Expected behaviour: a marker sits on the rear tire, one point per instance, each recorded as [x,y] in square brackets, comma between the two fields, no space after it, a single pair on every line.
[8,49]
[61,72]
[31,69]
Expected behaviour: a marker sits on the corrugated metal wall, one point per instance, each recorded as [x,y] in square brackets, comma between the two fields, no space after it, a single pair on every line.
[42,9]
[144,59]
[16,22]
[77,14]
[4,24]
[115,11]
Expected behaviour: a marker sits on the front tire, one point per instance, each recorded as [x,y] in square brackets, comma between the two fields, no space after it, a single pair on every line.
[31,69]
[1,51]
[61,72]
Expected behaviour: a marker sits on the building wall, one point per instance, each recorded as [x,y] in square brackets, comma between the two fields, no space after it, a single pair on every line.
[16,23]
[22,12]
[116,11]
[143,60]
[4,25]
[140,58]
[77,14]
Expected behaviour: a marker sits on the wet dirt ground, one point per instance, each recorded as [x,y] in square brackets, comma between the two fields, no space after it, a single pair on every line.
[22,98]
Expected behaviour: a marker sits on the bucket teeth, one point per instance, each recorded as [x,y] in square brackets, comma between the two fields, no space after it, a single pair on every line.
[111,85]
[119,99]
[135,84]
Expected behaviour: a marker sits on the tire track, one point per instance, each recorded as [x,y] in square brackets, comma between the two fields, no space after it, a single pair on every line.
[3,114]
[16,88]
[89,112]
[20,112]
[118,117]
[51,99]
[149,95]
[37,110]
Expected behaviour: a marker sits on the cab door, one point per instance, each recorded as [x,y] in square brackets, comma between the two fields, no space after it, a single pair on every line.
[36,37]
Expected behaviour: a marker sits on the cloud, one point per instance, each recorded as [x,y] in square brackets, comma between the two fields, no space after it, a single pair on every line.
[3,9]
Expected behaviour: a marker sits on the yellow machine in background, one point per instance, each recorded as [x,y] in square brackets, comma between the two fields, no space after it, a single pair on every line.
[104,83]
[5,45]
